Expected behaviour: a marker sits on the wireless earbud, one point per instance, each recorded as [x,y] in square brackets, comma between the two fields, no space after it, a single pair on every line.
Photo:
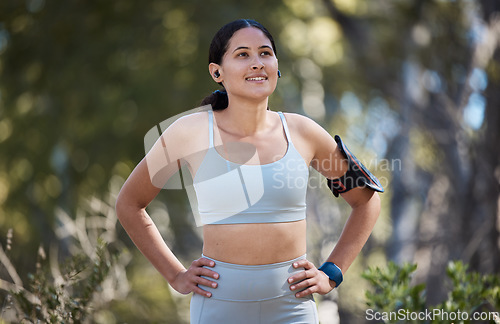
[216,74]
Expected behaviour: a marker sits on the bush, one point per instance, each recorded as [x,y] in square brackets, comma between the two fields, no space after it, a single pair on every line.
[83,285]
[394,300]
[66,298]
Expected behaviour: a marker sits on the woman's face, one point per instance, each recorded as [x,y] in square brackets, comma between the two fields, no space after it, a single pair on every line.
[249,68]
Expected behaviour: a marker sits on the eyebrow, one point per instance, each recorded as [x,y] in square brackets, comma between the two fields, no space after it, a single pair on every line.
[244,47]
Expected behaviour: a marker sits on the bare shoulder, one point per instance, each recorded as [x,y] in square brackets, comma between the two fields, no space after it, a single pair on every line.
[189,123]
[308,136]
[314,142]
[187,134]
[187,128]
[305,127]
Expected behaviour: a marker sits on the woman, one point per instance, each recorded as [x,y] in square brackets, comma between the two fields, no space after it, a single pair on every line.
[253,268]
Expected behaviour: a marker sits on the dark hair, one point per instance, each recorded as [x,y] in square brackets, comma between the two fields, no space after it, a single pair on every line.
[218,99]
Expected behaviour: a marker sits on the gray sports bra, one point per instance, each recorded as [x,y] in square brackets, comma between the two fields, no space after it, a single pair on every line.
[232,193]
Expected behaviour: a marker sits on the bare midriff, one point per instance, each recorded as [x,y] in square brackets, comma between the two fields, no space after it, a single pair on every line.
[254,244]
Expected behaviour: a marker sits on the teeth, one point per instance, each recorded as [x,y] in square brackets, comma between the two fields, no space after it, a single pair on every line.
[256,79]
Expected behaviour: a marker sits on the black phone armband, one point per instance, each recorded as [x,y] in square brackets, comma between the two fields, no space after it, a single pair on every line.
[357,174]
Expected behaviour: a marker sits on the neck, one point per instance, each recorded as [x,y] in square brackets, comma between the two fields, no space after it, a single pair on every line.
[247,117]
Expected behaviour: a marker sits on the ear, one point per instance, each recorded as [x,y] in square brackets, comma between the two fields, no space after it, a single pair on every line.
[212,68]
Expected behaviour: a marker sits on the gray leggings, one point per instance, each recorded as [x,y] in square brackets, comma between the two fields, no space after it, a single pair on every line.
[253,294]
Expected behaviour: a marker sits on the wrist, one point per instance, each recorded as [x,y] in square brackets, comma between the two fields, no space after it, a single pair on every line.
[333,272]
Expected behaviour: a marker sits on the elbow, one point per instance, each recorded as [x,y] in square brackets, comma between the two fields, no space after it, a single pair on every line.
[376,204]
[119,207]
[362,198]
[366,202]
[122,207]
[127,208]
[371,209]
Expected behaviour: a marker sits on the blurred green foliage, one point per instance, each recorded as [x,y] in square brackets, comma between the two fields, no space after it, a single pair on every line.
[391,291]
[92,284]
[66,301]
[81,82]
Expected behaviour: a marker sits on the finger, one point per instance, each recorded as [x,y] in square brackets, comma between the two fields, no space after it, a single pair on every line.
[303,284]
[206,282]
[311,273]
[305,292]
[298,277]
[207,273]
[199,291]
[203,262]
[302,264]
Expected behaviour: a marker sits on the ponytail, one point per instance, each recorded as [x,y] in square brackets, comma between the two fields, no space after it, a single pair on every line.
[218,99]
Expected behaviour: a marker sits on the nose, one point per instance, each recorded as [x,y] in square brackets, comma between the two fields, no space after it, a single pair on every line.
[257,64]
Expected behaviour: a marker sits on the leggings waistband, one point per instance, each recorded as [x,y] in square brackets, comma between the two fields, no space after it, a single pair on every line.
[238,282]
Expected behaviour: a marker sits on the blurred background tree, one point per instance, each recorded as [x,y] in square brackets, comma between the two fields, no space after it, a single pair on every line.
[412,86]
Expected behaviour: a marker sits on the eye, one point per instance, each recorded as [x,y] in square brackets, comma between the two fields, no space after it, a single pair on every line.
[242,54]
[266,53]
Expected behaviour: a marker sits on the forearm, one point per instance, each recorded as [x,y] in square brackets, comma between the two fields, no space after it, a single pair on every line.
[355,233]
[149,241]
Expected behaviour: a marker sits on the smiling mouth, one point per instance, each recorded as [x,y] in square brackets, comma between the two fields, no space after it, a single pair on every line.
[256,79]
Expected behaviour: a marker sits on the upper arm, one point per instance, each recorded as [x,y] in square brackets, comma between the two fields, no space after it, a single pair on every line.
[359,196]
[326,158]
[321,148]
[170,151]
[138,190]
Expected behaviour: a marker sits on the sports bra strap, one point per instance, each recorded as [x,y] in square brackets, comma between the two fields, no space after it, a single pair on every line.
[211,128]
[285,127]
